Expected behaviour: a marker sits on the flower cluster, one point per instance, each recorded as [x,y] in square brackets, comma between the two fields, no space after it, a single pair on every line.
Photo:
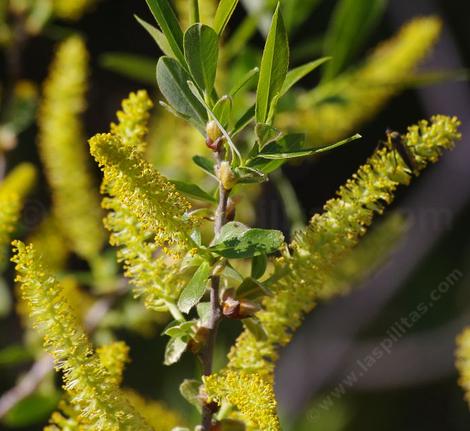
[154,273]
[101,403]
[329,236]
[252,394]
[63,152]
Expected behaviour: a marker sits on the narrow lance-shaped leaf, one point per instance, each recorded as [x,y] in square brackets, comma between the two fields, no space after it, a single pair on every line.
[274,66]
[195,289]
[168,22]
[157,35]
[172,80]
[295,75]
[201,50]
[223,14]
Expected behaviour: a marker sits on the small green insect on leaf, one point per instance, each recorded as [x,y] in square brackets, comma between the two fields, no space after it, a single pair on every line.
[168,22]
[172,80]
[274,67]
[195,289]
[201,51]
[237,241]
[223,14]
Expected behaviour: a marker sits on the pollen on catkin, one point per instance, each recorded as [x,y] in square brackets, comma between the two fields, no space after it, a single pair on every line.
[333,111]
[88,383]
[251,393]
[330,236]
[63,150]
[463,362]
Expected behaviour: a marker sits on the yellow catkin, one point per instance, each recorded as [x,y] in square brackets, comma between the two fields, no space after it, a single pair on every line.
[86,380]
[13,190]
[463,362]
[114,358]
[330,236]
[150,197]
[336,110]
[252,394]
[71,9]
[63,150]
[154,273]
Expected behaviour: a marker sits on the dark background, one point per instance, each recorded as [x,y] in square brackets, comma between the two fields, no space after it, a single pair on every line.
[413,388]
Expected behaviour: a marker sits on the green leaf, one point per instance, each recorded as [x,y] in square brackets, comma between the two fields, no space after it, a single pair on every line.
[223,14]
[172,80]
[31,410]
[295,75]
[189,389]
[256,328]
[274,66]
[237,241]
[246,79]
[259,265]
[201,50]
[174,350]
[180,329]
[204,311]
[157,36]
[281,150]
[132,66]
[351,24]
[252,289]
[244,121]
[195,289]
[168,22]
[205,164]
[250,175]
[223,110]
[193,191]
[230,230]
[266,134]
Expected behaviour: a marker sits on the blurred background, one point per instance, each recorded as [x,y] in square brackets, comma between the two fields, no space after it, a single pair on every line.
[373,358]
